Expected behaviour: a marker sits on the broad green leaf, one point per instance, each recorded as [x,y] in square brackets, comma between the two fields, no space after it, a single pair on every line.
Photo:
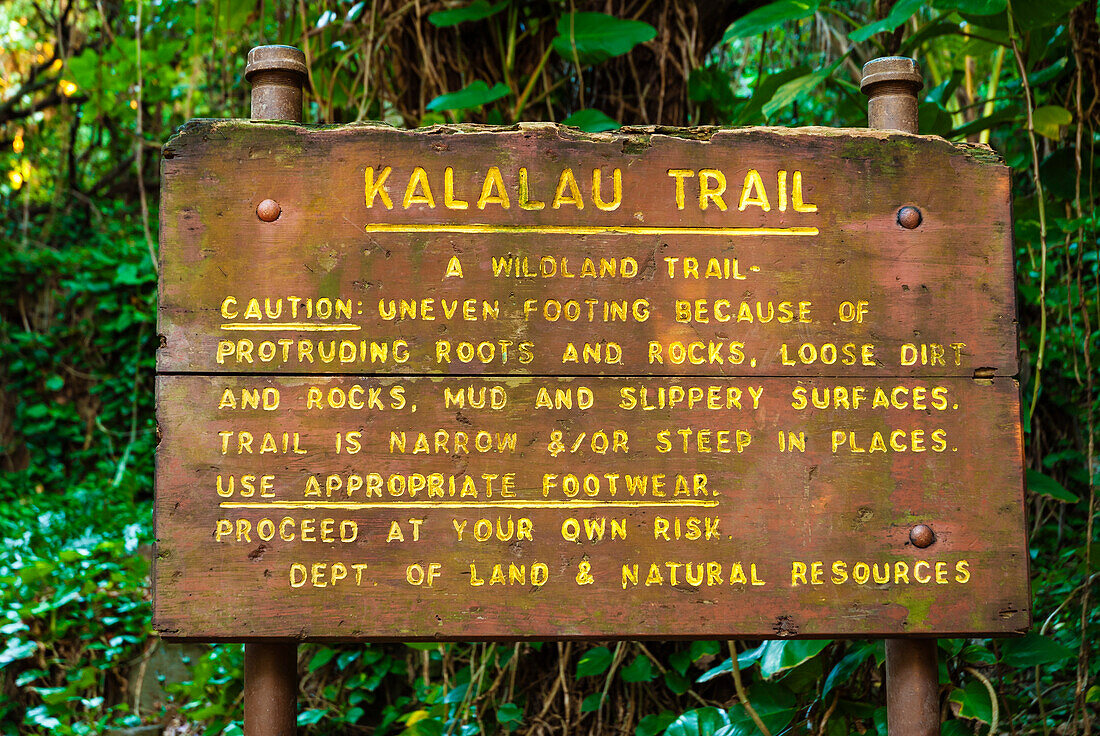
[422,646]
[509,713]
[976,126]
[40,716]
[357,10]
[347,658]
[680,661]
[594,662]
[477,10]
[979,655]
[55,383]
[52,604]
[945,90]
[799,87]
[425,727]
[591,703]
[1033,14]
[879,719]
[933,119]
[311,716]
[1093,694]
[973,7]
[783,654]
[456,694]
[848,664]
[770,16]
[321,658]
[955,728]
[598,37]
[900,13]
[713,84]
[676,682]
[717,670]
[1038,78]
[774,703]
[640,670]
[699,722]
[745,659]
[654,724]
[473,94]
[52,695]
[973,701]
[702,648]
[591,121]
[928,32]
[1048,119]
[28,676]
[766,88]
[1033,650]
[1044,485]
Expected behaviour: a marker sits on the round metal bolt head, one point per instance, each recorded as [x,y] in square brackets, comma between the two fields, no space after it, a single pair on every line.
[922,536]
[275,58]
[268,210]
[909,217]
[891,69]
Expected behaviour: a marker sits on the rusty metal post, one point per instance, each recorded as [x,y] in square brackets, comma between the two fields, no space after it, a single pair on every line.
[271,689]
[891,84]
[912,688]
[277,74]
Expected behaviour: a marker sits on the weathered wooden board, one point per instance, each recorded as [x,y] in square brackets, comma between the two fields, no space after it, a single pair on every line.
[798,267]
[658,307]
[884,455]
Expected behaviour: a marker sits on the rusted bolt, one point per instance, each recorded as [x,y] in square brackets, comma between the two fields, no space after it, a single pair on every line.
[922,536]
[268,210]
[909,217]
[891,84]
[277,74]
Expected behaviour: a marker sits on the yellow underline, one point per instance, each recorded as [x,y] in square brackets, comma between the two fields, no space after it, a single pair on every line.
[586,229]
[463,505]
[307,326]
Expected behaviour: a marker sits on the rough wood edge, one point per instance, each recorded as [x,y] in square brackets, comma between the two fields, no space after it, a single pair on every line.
[642,136]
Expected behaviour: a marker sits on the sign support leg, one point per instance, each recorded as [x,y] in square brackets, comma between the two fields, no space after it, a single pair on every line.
[891,84]
[271,668]
[270,689]
[912,687]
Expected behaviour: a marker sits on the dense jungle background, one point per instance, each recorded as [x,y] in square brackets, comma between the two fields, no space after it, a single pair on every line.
[91,89]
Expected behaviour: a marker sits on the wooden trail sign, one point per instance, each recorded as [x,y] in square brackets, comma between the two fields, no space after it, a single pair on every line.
[529,383]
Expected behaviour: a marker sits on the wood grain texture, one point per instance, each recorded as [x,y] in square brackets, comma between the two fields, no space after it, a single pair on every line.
[827,504]
[702,337]
[948,281]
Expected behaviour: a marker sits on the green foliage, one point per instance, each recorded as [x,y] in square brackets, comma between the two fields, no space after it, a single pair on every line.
[77,343]
[474,94]
[77,338]
[477,10]
[772,15]
[590,38]
[591,121]
[74,608]
[1044,485]
[1033,650]
[594,662]
[899,13]
[776,706]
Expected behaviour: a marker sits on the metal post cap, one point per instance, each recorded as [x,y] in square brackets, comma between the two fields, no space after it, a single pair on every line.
[890,69]
[275,58]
